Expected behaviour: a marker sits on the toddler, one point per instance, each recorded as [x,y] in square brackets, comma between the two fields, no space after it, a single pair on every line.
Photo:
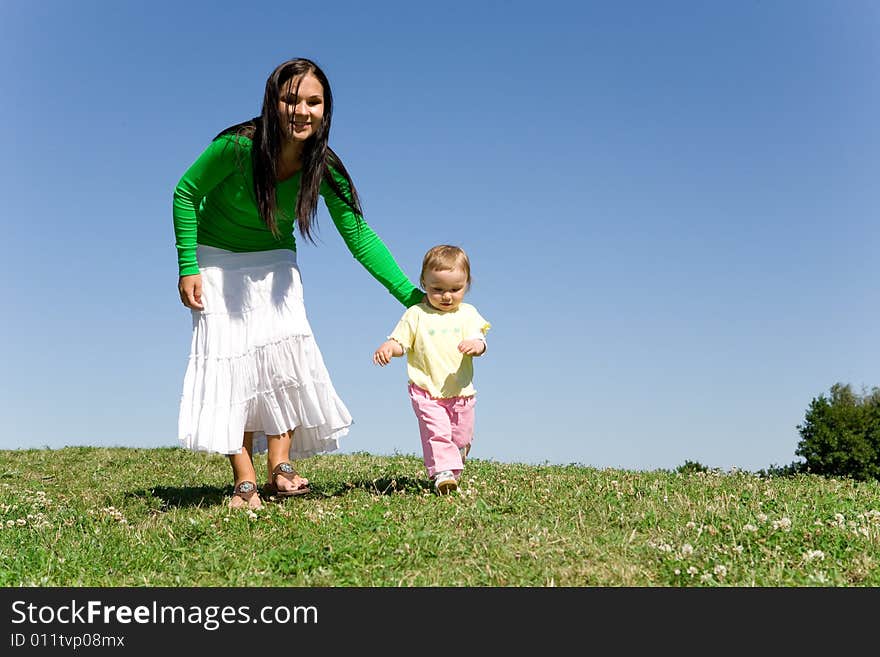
[440,336]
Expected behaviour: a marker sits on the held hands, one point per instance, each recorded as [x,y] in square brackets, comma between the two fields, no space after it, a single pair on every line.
[190,289]
[473,347]
[386,351]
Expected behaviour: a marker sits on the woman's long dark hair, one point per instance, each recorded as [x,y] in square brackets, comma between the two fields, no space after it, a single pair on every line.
[267,135]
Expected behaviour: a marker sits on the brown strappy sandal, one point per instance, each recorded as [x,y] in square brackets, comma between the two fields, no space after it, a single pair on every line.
[245,490]
[287,471]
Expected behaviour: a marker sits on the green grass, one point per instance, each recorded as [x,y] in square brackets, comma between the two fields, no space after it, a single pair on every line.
[158,517]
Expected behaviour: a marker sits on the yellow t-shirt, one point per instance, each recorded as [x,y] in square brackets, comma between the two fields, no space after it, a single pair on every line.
[430,338]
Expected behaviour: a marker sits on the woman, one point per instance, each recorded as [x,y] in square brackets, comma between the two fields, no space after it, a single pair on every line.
[256,380]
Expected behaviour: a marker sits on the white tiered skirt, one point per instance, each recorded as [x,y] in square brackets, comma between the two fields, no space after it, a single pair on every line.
[254,364]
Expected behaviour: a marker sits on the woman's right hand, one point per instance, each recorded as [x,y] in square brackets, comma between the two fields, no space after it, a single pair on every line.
[190,289]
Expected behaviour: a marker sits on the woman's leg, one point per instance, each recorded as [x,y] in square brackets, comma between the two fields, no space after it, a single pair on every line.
[243,470]
[278,451]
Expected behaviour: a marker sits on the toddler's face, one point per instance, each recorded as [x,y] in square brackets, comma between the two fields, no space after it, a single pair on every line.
[445,288]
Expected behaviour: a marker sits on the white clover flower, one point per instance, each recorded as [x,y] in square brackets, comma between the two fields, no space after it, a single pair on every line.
[749,528]
[812,555]
[783,523]
[721,571]
[839,520]
[690,524]
[706,577]
[762,517]
[662,546]
[687,549]
[820,578]
[677,571]
[738,549]
[21,522]
[693,570]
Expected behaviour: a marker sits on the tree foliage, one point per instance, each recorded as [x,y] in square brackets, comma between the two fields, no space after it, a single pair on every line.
[840,436]
[691,467]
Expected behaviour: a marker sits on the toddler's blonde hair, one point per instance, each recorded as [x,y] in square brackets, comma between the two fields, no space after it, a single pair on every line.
[445,257]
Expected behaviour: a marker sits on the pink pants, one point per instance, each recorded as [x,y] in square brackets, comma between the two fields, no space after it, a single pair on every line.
[446,425]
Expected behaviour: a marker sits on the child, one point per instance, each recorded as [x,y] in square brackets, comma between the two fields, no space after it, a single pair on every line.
[440,337]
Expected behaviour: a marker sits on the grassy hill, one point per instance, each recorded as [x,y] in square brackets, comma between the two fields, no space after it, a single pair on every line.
[158,517]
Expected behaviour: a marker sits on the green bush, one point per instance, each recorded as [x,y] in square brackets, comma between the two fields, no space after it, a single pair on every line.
[840,436]
[791,470]
[691,467]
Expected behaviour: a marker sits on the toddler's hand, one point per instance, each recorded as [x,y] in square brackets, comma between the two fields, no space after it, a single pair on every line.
[472,347]
[385,353]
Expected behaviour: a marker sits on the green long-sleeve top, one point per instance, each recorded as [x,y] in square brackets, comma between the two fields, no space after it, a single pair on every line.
[214,205]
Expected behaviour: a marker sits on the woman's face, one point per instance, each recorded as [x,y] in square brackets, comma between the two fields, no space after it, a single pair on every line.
[301,107]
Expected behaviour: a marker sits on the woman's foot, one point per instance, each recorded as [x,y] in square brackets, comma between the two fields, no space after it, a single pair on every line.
[285,481]
[245,496]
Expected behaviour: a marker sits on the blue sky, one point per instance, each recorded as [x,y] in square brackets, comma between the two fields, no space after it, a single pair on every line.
[670,208]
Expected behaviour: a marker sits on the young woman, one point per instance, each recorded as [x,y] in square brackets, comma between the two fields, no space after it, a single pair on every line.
[256,380]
